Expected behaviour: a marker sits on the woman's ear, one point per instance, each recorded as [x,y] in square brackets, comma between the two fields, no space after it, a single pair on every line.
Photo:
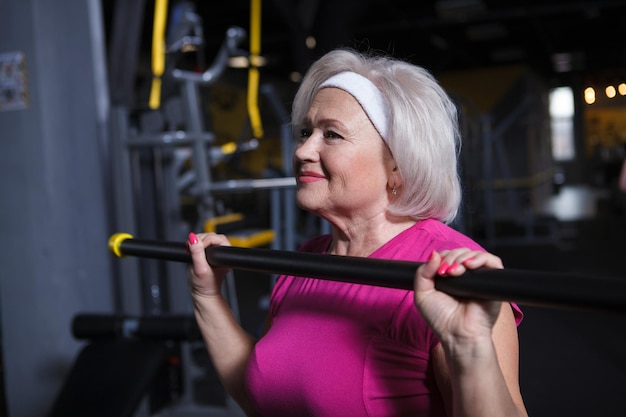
[394,176]
[394,181]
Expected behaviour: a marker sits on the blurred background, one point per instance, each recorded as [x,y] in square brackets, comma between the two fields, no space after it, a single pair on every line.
[155,118]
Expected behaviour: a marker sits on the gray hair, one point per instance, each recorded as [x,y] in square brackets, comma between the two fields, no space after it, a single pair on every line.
[423,128]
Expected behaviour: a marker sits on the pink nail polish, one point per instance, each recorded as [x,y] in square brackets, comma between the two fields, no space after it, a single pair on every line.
[193,239]
[442,268]
[468,260]
[452,267]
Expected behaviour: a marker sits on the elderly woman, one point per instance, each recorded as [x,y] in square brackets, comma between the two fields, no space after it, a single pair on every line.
[376,157]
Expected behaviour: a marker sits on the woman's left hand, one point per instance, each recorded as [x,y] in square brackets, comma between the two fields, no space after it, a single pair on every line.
[455,320]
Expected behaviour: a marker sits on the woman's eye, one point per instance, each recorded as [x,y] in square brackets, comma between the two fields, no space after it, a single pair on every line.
[332,135]
[305,133]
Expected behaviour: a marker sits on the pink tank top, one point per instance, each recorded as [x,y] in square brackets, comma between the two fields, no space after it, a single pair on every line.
[349,350]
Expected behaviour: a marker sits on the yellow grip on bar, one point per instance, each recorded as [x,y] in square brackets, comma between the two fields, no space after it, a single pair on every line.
[115,241]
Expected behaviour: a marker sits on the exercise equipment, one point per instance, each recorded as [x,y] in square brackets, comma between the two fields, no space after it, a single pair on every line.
[253,69]
[127,360]
[158,52]
[173,327]
[234,226]
[544,289]
[111,377]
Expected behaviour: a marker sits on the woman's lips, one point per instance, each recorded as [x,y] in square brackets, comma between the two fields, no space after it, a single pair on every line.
[310,176]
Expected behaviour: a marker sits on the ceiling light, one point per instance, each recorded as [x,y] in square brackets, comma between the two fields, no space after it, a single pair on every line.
[244,61]
[590,95]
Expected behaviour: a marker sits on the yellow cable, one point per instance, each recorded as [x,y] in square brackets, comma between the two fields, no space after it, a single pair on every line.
[253,70]
[158,51]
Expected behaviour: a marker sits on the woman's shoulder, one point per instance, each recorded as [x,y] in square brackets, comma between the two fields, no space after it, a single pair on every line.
[444,236]
[417,242]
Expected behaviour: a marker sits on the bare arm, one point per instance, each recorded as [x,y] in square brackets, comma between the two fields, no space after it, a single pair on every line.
[477,361]
[228,344]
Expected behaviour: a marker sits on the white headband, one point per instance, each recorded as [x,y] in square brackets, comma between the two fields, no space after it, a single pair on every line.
[366,93]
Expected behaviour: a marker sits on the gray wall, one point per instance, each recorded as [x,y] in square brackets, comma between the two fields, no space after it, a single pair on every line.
[54,262]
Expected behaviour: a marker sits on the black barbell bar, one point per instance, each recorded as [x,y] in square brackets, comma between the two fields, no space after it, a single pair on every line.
[534,288]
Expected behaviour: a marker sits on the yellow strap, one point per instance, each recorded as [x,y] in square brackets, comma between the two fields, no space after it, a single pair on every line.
[253,71]
[158,51]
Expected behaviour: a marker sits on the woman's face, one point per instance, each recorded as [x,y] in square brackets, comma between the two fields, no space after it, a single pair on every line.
[341,163]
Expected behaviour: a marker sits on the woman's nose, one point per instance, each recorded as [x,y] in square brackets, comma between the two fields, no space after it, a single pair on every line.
[306,149]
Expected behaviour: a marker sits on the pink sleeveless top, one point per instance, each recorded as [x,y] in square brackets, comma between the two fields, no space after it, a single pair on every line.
[349,350]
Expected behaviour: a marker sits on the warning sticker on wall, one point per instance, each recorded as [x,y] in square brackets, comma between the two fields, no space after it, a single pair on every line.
[13,81]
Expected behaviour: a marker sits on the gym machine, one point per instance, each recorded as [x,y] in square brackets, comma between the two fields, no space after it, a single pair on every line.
[148,360]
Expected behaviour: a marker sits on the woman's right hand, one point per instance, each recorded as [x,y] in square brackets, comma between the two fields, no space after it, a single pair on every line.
[205,280]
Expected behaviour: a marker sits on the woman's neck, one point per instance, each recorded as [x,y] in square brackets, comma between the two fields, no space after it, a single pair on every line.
[364,239]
